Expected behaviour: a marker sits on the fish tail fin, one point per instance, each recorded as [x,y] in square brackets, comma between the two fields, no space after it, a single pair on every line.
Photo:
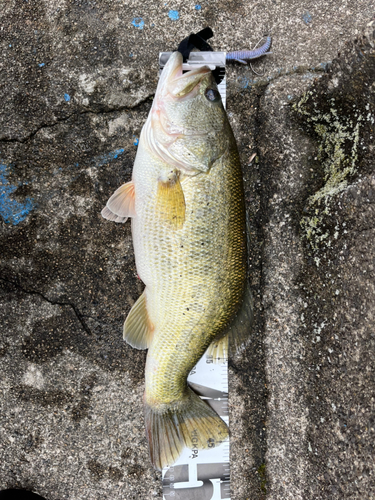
[190,423]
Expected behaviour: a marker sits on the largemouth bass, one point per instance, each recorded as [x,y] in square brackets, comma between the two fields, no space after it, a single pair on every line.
[186,202]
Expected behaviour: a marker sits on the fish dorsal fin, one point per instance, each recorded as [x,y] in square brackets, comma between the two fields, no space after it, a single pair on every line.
[138,329]
[237,332]
[121,204]
[170,199]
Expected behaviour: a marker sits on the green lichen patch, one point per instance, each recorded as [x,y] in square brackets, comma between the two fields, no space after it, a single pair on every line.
[338,138]
[262,474]
[338,112]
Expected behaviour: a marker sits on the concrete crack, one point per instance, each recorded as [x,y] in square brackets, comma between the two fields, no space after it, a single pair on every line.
[15,284]
[296,70]
[104,111]
[260,81]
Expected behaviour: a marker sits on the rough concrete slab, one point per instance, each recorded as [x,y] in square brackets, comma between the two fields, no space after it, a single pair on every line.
[319,283]
[76,83]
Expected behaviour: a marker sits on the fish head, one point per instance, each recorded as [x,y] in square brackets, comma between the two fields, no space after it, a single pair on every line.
[188,126]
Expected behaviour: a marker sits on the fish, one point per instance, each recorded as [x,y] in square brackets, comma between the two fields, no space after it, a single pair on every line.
[187,210]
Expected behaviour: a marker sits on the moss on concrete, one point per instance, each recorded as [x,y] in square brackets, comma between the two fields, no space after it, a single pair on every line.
[338,138]
[338,113]
[263,478]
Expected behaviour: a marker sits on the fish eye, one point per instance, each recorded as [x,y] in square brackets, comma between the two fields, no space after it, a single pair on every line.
[212,95]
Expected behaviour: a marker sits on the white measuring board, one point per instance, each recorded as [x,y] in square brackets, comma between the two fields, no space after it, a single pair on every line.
[203,474]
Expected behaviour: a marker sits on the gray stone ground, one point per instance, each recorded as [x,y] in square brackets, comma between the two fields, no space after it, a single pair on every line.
[76,82]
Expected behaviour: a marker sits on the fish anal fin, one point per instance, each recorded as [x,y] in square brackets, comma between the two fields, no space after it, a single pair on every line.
[121,204]
[189,423]
[138,329]
[170,199]
[237,332]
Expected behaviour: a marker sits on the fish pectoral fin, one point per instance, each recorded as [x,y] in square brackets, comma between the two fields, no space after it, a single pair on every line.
[170,199]
[189,422]
[138,329]
[238,331]
[121,204]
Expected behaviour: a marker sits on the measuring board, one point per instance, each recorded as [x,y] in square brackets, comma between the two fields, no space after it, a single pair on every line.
[203,474]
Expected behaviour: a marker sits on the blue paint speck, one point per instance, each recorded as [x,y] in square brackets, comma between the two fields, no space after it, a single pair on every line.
[41,65]
[131,54]
[136,141]
[67,97]
[244,82]
[173,14]
[138,22]
[198,7]
[307,17]
[12,211]
[104,159]
[76,165]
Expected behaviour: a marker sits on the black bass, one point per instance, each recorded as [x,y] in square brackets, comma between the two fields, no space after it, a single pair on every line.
[186,202]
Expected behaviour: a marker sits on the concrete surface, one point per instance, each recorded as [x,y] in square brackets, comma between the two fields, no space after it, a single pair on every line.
[76,83]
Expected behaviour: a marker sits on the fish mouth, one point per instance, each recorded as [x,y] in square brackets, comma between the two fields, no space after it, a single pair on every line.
[179,84]
[176,85]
